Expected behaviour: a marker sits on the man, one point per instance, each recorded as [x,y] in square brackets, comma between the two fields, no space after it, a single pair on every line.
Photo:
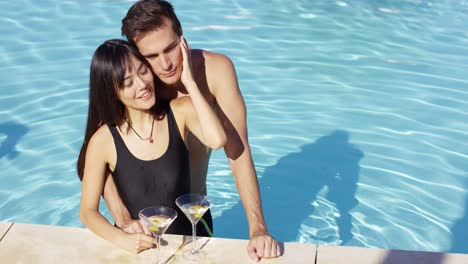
[153,27]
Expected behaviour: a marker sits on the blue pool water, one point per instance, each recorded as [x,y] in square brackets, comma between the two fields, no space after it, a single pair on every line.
[357,114]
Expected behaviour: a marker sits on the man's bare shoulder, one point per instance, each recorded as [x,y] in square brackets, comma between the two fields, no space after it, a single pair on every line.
[210,63]
[216,61]
[220,72]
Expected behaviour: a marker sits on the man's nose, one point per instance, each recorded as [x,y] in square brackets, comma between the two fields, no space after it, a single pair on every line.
[165,63]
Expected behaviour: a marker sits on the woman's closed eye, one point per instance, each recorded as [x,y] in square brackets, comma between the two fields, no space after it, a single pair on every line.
[144,71]
[129,84]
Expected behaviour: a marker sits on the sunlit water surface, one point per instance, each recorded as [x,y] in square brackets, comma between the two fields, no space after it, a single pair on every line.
[357,114]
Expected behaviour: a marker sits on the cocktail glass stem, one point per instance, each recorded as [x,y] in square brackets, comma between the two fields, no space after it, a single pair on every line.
[194,238]
[158,254]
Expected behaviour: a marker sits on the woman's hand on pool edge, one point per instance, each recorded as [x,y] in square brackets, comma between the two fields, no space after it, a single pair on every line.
[135,243]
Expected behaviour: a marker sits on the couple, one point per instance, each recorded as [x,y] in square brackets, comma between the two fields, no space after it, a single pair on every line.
[151,126]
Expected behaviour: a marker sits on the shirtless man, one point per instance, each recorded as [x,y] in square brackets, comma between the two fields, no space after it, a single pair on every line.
[154,28]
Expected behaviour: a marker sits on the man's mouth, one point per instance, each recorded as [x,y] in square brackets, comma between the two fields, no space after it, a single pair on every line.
[169,74]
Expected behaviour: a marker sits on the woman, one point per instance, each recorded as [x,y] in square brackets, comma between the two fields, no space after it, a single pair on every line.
[140,139]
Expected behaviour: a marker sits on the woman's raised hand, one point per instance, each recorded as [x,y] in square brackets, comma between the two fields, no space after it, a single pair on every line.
[187,74]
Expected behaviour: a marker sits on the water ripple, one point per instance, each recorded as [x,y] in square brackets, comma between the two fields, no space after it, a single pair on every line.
[391,75]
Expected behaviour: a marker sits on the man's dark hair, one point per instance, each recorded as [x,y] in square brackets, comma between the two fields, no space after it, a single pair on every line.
[148,15]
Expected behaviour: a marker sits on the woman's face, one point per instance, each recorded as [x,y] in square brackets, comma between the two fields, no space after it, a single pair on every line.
[138,87]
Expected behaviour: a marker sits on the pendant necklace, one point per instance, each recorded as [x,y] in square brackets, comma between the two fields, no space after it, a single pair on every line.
[150,138]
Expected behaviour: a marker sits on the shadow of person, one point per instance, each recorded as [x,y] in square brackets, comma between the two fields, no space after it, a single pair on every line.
[460,230]
[14,132]
[413,257]
[290,186]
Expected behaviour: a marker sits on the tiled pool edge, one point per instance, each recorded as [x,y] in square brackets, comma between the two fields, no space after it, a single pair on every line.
[46,244]
[4,228]
[32,243]
[344,254]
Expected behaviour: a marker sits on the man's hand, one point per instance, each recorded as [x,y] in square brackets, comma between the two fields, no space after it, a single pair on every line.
[262,245]
[134,226]
[135,243]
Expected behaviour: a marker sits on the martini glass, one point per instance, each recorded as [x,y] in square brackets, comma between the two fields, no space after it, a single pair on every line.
[194,206]
[158,219]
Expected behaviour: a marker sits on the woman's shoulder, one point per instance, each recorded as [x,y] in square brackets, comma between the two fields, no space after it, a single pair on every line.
[101,138]
[181,108]
[181,104]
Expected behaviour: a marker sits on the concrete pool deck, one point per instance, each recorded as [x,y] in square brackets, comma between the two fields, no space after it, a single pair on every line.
[31,243]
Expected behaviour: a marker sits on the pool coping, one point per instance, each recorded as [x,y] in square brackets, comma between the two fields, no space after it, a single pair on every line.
[28,243]
[4,228]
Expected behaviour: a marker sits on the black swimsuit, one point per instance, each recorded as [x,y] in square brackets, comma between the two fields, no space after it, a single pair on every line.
[142,183]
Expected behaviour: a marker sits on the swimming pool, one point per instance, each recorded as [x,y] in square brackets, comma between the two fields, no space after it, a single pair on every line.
[357,114]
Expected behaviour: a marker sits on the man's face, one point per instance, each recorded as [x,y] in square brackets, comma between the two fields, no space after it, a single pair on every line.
[161,48]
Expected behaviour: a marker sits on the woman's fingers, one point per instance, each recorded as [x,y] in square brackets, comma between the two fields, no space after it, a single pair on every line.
[185,54]
[184,41]
[147,241]
[183,46]
[187,61]
[144,242]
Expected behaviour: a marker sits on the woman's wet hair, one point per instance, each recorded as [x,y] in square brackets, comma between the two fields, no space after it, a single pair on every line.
[109,64]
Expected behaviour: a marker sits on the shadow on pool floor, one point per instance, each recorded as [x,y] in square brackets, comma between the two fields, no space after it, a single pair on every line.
[290,186]
[14,132]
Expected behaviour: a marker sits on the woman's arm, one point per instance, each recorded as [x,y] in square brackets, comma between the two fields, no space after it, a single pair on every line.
[91,190]
[199,116]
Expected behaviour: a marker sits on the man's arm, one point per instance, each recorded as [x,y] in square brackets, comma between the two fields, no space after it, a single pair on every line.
[232,113]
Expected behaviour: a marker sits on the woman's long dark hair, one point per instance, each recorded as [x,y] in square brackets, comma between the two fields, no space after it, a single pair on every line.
[108,67]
